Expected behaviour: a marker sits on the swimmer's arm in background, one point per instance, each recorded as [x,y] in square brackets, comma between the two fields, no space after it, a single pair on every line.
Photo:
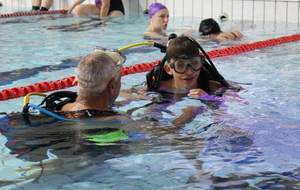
[105,8]
[70,9]
[190,33]
[154,36]
[196,35]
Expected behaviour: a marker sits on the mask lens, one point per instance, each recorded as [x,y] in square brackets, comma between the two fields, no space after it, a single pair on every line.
[196,63]
[181,64]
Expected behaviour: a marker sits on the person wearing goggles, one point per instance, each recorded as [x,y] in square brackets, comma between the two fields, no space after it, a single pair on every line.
[184,64]
[99,81]
[181,64]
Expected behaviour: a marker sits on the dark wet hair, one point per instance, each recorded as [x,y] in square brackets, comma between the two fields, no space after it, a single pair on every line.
[181,46]
[209,26]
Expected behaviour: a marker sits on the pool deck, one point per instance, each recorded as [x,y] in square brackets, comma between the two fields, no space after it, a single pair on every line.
[257,10]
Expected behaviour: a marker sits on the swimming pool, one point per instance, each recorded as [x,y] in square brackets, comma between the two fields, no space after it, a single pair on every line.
[249,144]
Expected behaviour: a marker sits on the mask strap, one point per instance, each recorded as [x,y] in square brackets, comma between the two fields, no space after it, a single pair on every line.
[221,78]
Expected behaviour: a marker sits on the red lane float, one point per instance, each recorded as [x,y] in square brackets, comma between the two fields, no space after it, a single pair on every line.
[249,47]
[32,13]
[141,67]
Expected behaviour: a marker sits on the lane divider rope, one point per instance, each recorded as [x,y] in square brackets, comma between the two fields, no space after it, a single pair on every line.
[32,13]
[67,82]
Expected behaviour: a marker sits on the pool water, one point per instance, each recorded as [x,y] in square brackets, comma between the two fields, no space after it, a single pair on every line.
[247,140]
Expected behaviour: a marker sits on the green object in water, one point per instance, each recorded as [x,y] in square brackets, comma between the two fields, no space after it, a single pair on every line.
[107,138]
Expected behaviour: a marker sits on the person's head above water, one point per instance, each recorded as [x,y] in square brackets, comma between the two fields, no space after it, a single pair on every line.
[99,80]
[96,70]
[159,18]
[209,26]
[184,62]
[181,46]
[154,8]
[183,67]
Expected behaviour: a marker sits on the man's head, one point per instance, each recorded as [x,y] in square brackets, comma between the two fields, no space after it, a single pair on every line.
[97,71]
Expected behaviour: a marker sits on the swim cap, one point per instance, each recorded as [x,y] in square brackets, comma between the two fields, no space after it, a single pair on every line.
[154,7]
[209,26]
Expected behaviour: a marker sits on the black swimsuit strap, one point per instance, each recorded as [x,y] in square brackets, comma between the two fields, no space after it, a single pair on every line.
[234,34]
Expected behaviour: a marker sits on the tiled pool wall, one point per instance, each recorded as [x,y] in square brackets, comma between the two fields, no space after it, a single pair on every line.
[253,10]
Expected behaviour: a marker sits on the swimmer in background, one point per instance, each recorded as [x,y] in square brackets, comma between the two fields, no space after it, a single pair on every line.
[103,8]
[159,18]
[36,5]
[211,29]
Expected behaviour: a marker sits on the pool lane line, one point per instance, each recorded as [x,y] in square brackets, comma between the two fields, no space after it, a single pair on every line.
[67,82]
[32,13]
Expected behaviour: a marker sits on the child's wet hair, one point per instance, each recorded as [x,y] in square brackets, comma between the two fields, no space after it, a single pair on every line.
[181,46]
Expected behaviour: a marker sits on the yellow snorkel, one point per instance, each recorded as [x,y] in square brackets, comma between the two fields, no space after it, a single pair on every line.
[160,46]
[137,44]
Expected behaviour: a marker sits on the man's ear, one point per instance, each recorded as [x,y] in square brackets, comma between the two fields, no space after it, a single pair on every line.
[111,86]
[168,69]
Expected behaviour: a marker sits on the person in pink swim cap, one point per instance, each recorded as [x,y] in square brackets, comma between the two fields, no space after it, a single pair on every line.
[159,18]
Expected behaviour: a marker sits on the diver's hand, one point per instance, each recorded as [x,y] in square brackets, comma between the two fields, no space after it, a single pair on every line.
[196,93]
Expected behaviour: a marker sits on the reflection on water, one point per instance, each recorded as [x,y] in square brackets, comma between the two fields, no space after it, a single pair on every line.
[201,152]
[145,155]
[243,141]
[76,149]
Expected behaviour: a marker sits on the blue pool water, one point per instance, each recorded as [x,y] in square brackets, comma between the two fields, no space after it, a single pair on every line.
[249,141]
